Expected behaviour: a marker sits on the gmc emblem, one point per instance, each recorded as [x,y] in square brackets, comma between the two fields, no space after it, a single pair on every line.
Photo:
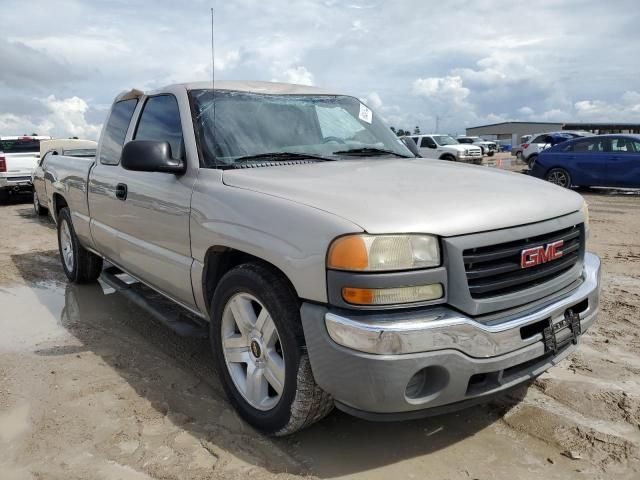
[539,255]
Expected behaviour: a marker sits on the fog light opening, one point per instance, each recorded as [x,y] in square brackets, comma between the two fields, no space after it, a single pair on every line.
[427,383]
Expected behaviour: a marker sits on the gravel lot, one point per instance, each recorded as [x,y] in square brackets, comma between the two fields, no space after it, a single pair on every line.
[92,387]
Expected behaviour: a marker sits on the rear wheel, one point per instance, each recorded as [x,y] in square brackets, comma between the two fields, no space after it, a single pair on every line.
[519,156]
[4,196]
[79,264]
[560,177]
[258,345]
[37,208]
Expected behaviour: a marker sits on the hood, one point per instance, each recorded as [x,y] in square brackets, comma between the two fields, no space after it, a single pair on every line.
[421,195]
[461,147]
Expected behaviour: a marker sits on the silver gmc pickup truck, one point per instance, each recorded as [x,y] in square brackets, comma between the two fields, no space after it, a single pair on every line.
[329,265]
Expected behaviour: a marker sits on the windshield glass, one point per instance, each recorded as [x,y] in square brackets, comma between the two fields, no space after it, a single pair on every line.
[249,124]
[445,140]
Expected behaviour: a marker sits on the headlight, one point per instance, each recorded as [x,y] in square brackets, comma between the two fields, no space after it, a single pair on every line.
[383,252]
[585,211]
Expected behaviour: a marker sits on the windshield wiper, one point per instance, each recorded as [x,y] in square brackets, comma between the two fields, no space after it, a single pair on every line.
[368,152]
[282,157]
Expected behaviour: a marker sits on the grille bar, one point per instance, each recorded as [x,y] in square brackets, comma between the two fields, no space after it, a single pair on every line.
[496,270]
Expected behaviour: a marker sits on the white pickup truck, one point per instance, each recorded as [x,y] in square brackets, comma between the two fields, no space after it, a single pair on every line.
[445,147]
[328,265]
[19,156]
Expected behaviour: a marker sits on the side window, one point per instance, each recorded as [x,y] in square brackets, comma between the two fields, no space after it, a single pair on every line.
[622,145]
[636,146]
[415,140]
[540,139]
[115,131]
[588,146]
[160,120]
[427,142]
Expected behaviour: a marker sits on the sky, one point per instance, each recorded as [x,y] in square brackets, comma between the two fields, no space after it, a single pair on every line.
[422,63]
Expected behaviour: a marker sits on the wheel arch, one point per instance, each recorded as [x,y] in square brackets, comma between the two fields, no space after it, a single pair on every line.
[220,259]
[58,203]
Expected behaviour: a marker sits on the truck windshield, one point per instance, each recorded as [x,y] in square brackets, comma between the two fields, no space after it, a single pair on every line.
[445,140]
[249,124]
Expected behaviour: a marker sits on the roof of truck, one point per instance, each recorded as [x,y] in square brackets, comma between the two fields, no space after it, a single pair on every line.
[251,86]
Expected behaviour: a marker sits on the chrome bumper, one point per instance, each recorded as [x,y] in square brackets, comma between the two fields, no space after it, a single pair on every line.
[440,328]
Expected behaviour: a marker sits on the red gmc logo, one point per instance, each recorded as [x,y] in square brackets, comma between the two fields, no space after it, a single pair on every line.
[539,255]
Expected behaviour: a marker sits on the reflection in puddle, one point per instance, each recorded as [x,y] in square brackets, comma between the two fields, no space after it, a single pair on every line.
[30,316]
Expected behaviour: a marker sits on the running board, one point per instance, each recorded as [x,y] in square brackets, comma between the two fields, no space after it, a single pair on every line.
[165,311]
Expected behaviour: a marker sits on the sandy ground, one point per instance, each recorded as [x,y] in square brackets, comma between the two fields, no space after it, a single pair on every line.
[91,387]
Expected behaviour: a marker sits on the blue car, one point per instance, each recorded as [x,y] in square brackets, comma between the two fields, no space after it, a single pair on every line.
[601,160]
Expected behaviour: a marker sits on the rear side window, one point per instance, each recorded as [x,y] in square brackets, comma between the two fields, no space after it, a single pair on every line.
[540,139]
[588,146]
[115,131]
[160,121]
[623,145]
[20,145]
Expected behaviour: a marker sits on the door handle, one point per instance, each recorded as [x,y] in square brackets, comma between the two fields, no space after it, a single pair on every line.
[121,191]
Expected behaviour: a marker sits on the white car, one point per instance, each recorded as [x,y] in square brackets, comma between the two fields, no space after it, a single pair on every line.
[445,147]
[542,141]
[488,147]
[19,156]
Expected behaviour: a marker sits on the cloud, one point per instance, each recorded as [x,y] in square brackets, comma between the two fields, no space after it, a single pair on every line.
[466,64]
[64,118]
[298,75]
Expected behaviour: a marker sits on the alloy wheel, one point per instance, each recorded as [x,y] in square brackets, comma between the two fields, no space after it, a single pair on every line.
[66,245]
[253,351]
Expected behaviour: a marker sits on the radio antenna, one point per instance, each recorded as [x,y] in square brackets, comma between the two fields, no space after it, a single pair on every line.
[213,82]
[213,68]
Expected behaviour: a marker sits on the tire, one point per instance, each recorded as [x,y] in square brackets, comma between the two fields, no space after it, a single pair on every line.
[79,264]
[37,208]
[268,354]
[4,196]
[559,176]
[491,153]
[519,156]
[449,158]
[531,161]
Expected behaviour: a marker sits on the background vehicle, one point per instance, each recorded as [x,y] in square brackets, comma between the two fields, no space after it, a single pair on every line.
[517,149]
[602,160]
[540,141]
[445,147]
[328,264]
[48,148]
[488,147]
[18,157]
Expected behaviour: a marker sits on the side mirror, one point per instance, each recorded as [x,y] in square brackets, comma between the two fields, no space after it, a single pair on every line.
[411,145]
[151,156]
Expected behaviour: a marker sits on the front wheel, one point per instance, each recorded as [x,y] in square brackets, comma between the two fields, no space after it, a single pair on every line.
[258,345]
[449,158]
[79,264]
[560,177]
[531,161]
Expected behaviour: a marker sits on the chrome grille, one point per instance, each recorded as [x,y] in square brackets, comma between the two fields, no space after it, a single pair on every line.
[495,270]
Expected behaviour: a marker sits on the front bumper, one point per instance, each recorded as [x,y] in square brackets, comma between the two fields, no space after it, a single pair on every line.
[406,362]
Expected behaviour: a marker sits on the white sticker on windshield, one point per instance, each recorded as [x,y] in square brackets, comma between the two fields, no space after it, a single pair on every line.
[366,115]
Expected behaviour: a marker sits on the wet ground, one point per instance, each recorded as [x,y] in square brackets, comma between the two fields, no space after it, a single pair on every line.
[92,387]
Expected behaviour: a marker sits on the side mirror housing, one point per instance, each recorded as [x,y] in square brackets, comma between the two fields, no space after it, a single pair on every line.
[151,156]
[411,145]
